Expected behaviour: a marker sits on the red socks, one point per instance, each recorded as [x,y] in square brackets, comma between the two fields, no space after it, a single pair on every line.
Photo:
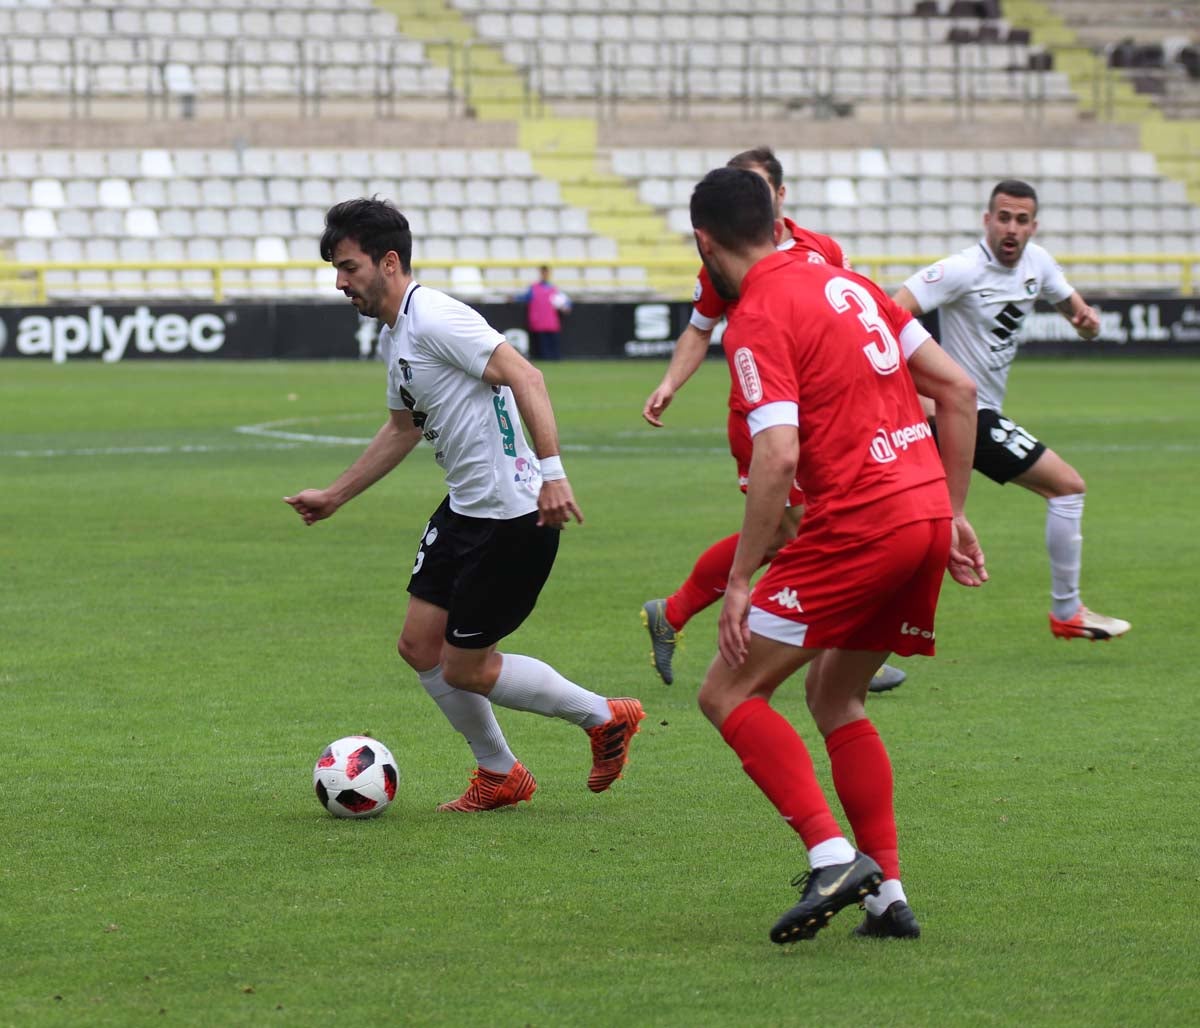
[705,585]
[862,775]
[776,759]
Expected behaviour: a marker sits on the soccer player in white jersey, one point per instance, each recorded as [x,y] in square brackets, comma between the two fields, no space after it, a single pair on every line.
[487,550]
[983,294]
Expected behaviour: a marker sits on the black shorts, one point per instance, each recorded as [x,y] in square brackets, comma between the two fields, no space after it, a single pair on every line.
[1003,449]
[486,574]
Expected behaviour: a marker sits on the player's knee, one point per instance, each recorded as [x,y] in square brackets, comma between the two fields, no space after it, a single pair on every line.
[418,653]
[712,704]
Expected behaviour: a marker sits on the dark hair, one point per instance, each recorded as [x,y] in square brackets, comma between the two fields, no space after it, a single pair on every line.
[375,225]
[735,207]
[760,157]
[1014,187]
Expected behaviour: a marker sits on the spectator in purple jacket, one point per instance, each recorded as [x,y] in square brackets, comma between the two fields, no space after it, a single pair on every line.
[546,302]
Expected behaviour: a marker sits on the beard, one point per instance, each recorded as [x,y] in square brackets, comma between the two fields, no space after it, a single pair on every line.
[372,298]
[726,290]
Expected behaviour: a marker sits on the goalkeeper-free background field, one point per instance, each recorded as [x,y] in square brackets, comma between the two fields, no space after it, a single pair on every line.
[176,649]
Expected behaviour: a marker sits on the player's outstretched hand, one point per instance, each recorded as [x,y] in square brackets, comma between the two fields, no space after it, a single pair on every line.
[966,563]
[556,504]
[658,401]
[312,505]
[733,629]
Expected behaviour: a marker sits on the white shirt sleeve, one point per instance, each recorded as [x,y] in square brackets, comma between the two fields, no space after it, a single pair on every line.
[1055,287]
[453,332]
[941,282]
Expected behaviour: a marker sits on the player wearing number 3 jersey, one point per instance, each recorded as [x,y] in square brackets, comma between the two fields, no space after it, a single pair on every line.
[823,366]
[983,295]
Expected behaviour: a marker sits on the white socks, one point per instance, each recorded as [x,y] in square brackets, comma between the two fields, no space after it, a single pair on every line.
[832,851]
[525,683]
[889,892]
[472,716]
[1064,544]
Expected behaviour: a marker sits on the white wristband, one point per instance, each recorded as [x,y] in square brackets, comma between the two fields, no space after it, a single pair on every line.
[552,469]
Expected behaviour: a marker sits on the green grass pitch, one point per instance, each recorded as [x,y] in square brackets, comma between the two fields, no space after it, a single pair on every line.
[176,649]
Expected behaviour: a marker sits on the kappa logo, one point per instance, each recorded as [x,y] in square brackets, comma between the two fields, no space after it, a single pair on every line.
[747,375]
[787,599]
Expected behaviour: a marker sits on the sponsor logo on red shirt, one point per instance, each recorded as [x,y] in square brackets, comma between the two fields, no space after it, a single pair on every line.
[747,374]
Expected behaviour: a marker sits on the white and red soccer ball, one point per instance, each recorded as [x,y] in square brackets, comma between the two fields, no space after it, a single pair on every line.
[356,777]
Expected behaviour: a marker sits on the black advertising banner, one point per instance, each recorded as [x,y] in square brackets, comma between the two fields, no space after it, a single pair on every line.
[112,332]
[316,331]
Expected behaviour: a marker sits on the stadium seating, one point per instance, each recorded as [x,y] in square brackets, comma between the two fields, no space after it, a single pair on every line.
[269,205]
[836,62]
[907,202]
[482,207]
[861,61]
[171,51]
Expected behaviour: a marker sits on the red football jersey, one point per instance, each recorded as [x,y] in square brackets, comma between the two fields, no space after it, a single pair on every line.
[804,245]
[827,348]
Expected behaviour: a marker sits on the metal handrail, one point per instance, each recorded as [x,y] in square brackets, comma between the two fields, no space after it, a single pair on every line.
[219,277]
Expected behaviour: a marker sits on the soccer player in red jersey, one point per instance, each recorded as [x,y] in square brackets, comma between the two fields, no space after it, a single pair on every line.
[825,371]
[665,618]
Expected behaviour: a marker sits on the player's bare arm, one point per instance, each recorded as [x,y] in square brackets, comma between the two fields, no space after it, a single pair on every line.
[1079,313]
[690,350]
[393,442]
[556,502]
[904,297]
[772,468]
[939,378]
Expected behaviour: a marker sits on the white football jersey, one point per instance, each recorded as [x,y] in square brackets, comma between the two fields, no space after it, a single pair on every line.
[436,354]
[981,306]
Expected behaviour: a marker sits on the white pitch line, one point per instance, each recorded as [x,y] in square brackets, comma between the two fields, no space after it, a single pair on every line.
[291,440]
[127,451]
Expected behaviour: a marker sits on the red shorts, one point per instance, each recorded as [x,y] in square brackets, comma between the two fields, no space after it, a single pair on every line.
[880,594]
[741,445]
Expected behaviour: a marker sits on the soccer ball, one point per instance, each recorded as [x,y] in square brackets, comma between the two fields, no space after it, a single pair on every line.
[356,777]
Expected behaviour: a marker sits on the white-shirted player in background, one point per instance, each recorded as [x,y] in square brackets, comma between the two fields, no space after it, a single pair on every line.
[983,294]
[488,548]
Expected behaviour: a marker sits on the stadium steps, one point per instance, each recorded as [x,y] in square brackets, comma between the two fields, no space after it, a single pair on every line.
[565,150]
[1173,143]
[495,90]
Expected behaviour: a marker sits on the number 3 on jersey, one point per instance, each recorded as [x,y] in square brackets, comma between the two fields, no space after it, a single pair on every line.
[883,351]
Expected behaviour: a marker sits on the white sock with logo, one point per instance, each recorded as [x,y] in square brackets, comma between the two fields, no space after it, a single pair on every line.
[889,892]
[1064,544]
[526,683]
[832,851]
[472,716]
